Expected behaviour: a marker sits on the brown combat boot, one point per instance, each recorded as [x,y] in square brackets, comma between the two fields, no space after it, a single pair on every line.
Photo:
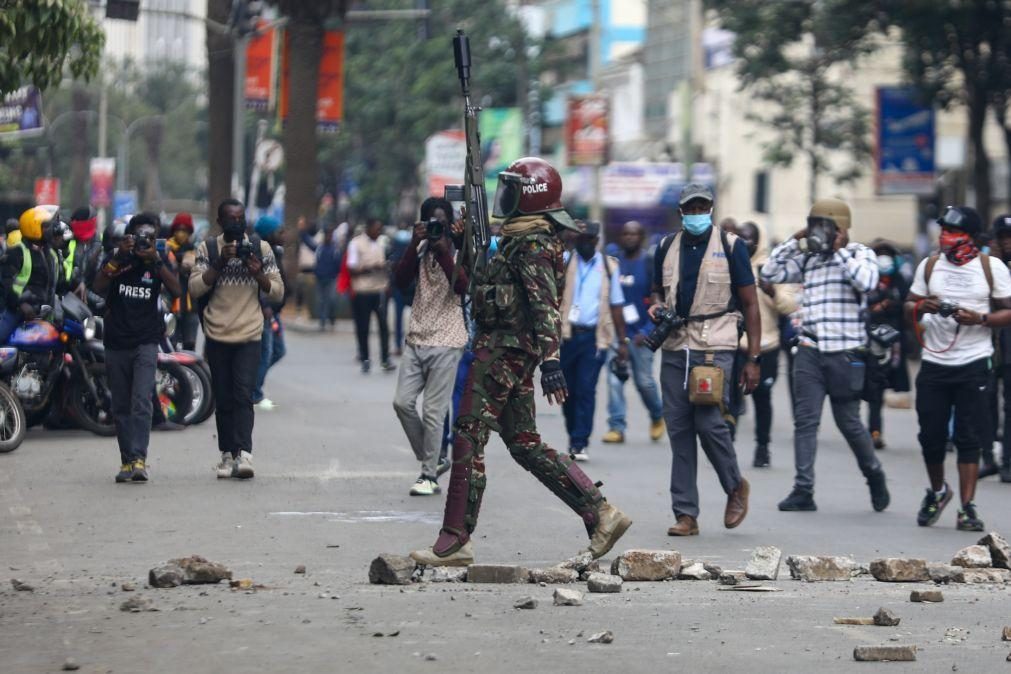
[737,505]
[611,525]
[686,526]
[462,557]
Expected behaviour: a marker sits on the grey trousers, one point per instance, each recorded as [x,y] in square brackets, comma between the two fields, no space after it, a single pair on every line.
[432,370]
[840,376]
[686,422]
[131,379]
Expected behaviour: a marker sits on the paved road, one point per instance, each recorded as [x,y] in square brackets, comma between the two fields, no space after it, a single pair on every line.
[333,471]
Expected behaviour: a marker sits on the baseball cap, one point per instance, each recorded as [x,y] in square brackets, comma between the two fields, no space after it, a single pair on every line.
[695,191]
[590,228]
[963,218]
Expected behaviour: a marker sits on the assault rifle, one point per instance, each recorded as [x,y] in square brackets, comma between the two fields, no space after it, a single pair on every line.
[476,234]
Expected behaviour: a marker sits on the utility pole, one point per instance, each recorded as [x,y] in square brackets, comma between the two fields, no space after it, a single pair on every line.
[238,120]
[596,210]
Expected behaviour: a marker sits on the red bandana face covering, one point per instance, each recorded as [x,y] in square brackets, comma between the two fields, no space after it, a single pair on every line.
[958,247]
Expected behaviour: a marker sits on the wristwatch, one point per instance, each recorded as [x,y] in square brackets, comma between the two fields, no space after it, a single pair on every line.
[757,360]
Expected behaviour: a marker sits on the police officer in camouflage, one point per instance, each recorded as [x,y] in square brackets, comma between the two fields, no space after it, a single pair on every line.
[516,309]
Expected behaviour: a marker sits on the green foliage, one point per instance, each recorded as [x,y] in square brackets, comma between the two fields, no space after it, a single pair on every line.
[37,38]
[790,56]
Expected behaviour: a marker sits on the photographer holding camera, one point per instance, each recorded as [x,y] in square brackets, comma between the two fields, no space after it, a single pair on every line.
[703,288]
[230,273]
[955,300]
[837,275]
[131,280]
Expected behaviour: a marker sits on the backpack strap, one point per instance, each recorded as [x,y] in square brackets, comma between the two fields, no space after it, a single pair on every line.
[928,270]
[984,260]
[212,250]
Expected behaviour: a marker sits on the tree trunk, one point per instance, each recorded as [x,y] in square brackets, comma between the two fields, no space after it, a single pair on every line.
[305,42]
[220,104]
[79,170]
[812,152]
[980,161]
[1000,110]
[152,166]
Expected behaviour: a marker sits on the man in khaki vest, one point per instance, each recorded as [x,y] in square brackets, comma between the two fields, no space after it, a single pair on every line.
[591,312]
[704,275]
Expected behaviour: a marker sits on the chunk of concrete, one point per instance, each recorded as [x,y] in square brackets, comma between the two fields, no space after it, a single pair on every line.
[647,565]
[732,577]
[695,571]
[554,575]
[931,596]
[976,576]
[391,570]
[943,574]
[1000,549]
[973,557]
[445,574]
[566,597]
[899,570]
[885,618]
[497,573]
[817,568]
[604,583]
[764,564]
[884,653]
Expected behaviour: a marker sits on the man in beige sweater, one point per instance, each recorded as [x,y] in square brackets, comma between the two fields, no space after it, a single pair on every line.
[227,280]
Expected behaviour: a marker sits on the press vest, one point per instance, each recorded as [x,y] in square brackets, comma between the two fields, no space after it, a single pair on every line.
[713,293]
[605,322]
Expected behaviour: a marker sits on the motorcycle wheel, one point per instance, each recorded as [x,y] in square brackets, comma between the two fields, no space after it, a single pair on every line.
[203,397]
[175,392]
[13,423]
[93,415]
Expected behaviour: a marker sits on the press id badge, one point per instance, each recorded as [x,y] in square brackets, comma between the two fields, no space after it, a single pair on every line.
[574,314]
[630,313]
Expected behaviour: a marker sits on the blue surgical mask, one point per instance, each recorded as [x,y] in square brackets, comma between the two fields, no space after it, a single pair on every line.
[697,223]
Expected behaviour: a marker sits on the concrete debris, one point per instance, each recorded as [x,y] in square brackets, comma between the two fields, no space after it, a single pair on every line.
[554,575]
[604,637]
[732,577]
[884,653]
[1000,549]
[764,564]
[497,573]
[647,565]
[694,571]
[300,569]
[885,618]
[930,596]
[137,603]
[714,571]
[603,582]
[813,569]
[584,561]
[899,570]
[445,574]
[391,570]
[1006,636]
[566,597]
[943,574]
[192,570]
[525,602]
[987,576]
[973,557]
[70,665]
[127,586]
[241,584]
[22,586]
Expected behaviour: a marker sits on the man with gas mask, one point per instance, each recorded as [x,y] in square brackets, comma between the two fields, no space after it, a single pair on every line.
[32,272]
[837,275]
[703,288]
[516,310]
[956,299]
[228,276]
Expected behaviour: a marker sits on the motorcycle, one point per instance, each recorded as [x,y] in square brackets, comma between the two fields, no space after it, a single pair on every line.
[197,373]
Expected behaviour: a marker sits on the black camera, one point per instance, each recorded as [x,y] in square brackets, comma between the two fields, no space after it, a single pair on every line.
[435,229]
[244,251]
[619,368]
[946,309]
[141,243]
[666,322]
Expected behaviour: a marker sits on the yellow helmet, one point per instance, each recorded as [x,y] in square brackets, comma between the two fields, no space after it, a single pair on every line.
[14,238]
[31,222]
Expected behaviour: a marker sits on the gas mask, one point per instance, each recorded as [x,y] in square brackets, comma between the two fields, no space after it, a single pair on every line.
[821,235]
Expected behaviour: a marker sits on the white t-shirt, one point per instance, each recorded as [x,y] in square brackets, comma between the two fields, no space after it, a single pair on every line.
[965,286]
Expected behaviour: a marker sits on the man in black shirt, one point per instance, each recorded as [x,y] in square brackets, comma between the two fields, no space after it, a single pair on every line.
[131,280]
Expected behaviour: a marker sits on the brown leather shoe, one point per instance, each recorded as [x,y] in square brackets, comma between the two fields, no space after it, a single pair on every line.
[686,526]
[737,505]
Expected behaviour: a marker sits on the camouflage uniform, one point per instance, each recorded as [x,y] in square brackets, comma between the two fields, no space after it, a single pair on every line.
[524,282]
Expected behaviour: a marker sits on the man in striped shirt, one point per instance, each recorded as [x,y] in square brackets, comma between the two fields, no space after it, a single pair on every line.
[830,359]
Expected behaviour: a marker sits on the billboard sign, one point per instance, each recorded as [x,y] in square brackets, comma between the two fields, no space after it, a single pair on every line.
[445,160]
[329,86]
[103,175]
[21,113]
[586,131]
[47,191]
[260,68]
[640,184]
[904,160]
[501,142]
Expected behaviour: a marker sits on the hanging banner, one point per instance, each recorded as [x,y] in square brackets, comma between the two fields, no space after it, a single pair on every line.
[260,68]
[501,141]
[586,131]
[904,161]
[445,160]
[330,86]
[124,203]
[103,174]
[47,191]
[21,113]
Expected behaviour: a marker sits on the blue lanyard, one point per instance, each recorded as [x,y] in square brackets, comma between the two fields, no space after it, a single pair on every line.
[583,275]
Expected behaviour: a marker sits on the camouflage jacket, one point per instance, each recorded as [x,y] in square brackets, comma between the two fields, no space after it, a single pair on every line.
[533,264]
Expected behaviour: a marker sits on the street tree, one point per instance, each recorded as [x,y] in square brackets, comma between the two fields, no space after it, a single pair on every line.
[793,57]
[37,39]
[220,103]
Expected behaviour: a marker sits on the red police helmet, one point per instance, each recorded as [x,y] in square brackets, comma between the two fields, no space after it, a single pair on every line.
[531,186]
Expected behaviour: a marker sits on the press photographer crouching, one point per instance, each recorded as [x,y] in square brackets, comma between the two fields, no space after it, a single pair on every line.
[131,281]
[955,300]
[231,271]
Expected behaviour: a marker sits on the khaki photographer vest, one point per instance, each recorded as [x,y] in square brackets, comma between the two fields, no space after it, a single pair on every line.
[605,322]
[712,295]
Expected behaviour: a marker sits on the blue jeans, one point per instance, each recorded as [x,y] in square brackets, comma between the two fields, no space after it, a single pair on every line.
[326,300]
[640,361]
[272,349]
[581,362]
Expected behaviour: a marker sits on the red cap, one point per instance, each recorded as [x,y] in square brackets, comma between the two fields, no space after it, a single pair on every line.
[182,221]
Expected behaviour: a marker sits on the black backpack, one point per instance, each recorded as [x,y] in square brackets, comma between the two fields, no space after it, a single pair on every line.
[212,256]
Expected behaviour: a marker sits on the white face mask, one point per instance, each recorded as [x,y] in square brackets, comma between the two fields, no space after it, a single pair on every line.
[885,264]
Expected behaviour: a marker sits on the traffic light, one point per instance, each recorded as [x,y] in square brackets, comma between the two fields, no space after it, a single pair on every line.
[122,9]
[245,14]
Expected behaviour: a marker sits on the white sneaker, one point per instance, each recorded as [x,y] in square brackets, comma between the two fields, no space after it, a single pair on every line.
[265,405]
[425,487]
[227,466]
[244,466]
[580,454]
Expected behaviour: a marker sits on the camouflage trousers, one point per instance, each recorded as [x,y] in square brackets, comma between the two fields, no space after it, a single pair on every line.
[499,396]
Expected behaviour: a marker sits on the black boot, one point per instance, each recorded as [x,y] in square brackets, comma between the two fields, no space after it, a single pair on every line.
[987,465]
[761,456]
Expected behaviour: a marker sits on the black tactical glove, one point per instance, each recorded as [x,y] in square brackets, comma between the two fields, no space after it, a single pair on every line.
[552,379]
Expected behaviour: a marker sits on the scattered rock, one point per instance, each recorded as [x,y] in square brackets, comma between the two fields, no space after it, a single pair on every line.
[22,586]
[931,596]
[70,665]
[604,637]
[1000,550]
[764,564]
[647,565]
[884,653]
[1009,657]
[554,575]
[714,571]
[695,571]
[127,586]
[581,562]
[973,557]
[192,570]
[300,569]
[497,573]
[987,575]
[603,582]
[899,570]
[943,574]
[431,657]
[241,584]
[168,575]
[731,577]
[445,574]
[1007,633]
[391,570]
[812,569]
[566,597]
[885,618]
[137,603]
[525,602]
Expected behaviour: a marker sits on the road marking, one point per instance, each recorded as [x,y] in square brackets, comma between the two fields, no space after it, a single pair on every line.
[369,516]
